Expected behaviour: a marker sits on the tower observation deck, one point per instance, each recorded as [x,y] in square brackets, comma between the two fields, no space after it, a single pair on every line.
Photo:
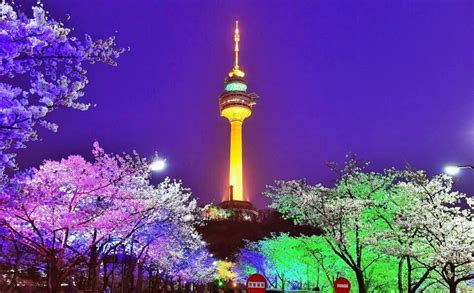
[235,104]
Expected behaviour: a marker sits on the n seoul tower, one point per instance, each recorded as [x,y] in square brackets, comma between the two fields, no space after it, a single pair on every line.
[236,105]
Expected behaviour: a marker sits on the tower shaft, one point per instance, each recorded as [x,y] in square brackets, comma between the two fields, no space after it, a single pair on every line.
[235,167]
[236,114]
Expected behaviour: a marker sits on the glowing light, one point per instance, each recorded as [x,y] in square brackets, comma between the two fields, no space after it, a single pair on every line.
[158,164]
[215,213]
[236,116]
[236,72]
[188,218]
[236,86]
[236,108]
[236,40]
[236,113]
[452,170]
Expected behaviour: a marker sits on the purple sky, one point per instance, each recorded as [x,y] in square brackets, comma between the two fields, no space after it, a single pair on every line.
[392,81]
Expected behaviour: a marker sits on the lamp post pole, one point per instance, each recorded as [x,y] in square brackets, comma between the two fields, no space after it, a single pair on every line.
[455,169]
[467,167]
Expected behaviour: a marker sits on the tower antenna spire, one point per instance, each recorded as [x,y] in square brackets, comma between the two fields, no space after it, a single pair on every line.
[236,49]
[236,70]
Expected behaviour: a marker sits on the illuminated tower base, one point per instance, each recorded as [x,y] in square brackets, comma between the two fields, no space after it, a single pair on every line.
[236,105]
[241,210]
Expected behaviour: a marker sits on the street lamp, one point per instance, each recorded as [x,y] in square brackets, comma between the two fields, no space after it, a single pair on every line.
[454,169]
[158,164]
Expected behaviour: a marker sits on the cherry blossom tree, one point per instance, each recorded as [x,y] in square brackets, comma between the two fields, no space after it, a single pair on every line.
[178,260]
[344,213]
[306,262]
[175,249]
[41,70]
[403,241]
[286,265]
[370,220]
[328,265]
[16,263]
[197,266]
[251,261]
[443,218]
[63,211]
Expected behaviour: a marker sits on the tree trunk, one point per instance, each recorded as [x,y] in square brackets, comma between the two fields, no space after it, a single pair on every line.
[452,287]
[172,285]
[187,288]
[162,285]
[150,280]
[105,279]
[54,281]
[360,280]
[131,274]
[139,284]
[13,282]
[80,281]
[92,267]
[409,273]
[400,275]
[450,273]
[93,270]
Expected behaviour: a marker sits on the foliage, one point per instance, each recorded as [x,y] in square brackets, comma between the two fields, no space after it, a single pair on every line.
[343,213]
[74,220]
[444,220]
[74,212]
[403,221]
[303,263]
[216,213]
[41,70]
[224,270]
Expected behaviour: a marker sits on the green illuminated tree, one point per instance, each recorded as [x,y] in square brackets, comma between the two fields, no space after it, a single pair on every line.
[395,227]
[308,262]
[328,265]
[379,277]
[344,213]
[403,241]
[281,259]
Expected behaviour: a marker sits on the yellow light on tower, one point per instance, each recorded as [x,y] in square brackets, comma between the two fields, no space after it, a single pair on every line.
[236,105]
[236,71]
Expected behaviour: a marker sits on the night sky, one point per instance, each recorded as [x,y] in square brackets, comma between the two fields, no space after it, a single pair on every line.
[392,81]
